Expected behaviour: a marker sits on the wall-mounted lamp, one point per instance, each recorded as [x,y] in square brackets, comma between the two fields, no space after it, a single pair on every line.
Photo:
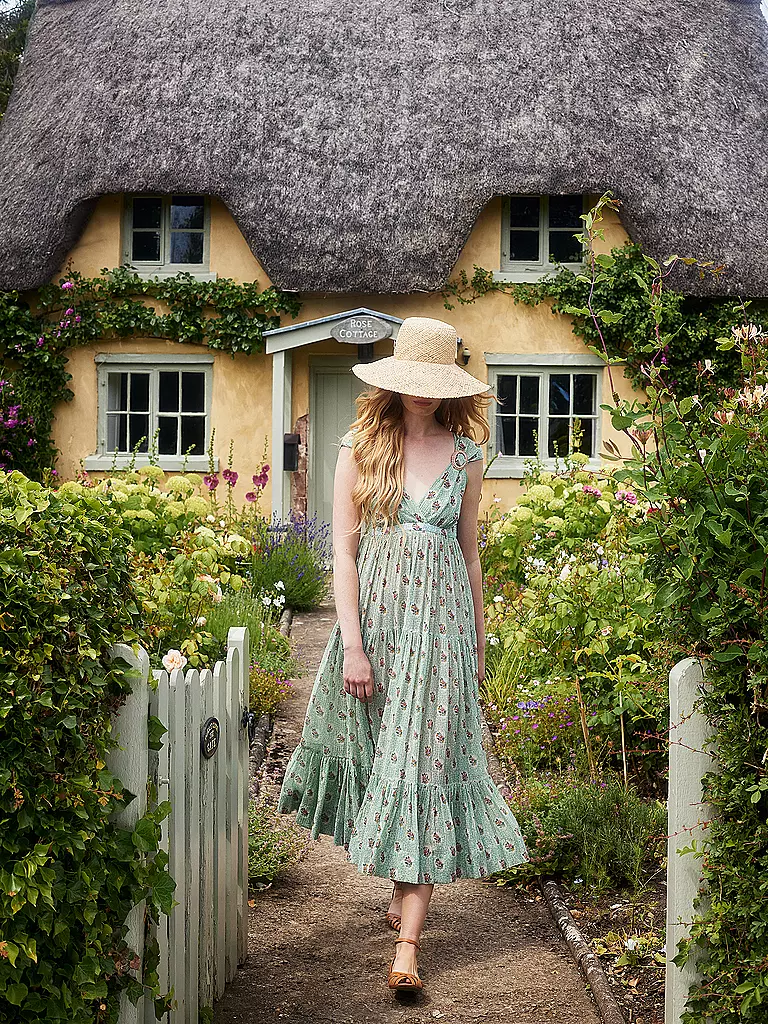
[464,352]
[291,452]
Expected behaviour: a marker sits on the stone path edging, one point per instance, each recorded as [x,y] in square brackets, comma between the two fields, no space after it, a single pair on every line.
[586,960]
[263,731]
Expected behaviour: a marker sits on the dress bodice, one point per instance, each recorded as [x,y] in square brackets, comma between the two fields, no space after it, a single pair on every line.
[441,504]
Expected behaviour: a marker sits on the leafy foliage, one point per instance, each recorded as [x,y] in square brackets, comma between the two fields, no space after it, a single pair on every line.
[612,312]
[13,34]
[37,330]
[68,874]
[701,461]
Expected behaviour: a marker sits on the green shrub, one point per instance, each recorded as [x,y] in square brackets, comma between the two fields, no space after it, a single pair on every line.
[68,875]
[597,831]
[273,844]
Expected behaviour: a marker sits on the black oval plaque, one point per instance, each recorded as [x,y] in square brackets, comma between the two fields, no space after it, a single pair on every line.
[209,737]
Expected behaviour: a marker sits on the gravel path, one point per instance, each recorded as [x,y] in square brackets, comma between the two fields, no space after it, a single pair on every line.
[320,948]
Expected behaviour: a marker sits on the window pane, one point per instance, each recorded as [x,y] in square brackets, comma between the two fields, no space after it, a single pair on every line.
[193,392]
[524,211]
[558,438]
[117,433]
[146,246]
[507,392]
[192,433]
[564,247]
[584,387]
[587,444]
[168,437]
[169,391]
[186,247]
[146,212]
[529,395]
[187,212]
[564,212]
[524,245]
[528,429]
[139,427]
[139,392]
[559,394]
[117,391]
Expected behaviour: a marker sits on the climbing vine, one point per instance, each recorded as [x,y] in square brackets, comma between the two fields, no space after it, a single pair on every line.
[37,330]
[690,325]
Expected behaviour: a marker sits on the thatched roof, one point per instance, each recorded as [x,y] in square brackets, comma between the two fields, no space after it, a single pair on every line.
[356,141]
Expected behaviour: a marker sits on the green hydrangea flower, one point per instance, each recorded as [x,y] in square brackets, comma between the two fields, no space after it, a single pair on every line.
[540,492]
[555,523]
[180,485]
[196,506]
[153,472]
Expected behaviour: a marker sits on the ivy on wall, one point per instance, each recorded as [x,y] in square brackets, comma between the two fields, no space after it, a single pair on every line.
[690,326]
[38,329]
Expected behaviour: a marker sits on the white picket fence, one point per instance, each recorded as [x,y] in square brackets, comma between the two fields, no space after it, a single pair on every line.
[691,755]
[205,937]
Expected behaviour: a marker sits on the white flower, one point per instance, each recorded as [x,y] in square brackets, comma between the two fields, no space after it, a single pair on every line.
[222,524]
[497,499]
[498,599]
[492,640]
[201,620]
[174,659]
[266,600]
[631,943]
[210,519]
[218,597]
[565,572]
[702,453]
[280,585]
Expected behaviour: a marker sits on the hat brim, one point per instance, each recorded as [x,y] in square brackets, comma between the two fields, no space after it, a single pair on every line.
[420,379]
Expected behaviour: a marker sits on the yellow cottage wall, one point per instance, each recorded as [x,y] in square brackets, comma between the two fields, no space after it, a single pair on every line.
[242,387]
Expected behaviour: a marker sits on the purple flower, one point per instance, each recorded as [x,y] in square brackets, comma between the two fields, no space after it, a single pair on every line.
[250,496]
[230,476]
[68,312]
[68,285]
[40,342]
[211,481]
[627,496]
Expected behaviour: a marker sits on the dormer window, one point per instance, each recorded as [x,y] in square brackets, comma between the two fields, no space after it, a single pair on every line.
[164,235]
[538,229]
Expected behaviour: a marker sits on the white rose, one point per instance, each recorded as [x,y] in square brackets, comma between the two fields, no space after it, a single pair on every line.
[174,659]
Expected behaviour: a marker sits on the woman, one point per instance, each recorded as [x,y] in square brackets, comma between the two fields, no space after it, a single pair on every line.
[391,762]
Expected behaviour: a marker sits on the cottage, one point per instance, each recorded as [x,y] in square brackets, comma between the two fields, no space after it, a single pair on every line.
[361,156]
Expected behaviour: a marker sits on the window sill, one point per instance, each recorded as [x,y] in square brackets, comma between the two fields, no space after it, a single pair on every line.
[530,274]
[163,274]
[511,468]
[169,463]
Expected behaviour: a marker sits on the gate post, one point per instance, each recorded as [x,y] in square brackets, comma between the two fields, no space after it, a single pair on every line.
[689,761]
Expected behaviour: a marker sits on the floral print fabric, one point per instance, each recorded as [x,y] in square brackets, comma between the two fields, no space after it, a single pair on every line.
[402,782]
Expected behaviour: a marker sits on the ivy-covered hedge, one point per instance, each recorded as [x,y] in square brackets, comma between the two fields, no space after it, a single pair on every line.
[68,875]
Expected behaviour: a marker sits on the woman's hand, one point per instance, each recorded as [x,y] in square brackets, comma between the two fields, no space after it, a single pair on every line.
[358,674]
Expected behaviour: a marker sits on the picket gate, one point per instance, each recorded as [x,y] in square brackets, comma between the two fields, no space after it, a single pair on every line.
[205,938]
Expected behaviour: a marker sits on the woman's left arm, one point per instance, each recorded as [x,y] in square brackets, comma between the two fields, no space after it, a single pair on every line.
[467,535]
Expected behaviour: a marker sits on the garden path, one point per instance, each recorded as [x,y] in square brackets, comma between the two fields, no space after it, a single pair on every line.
[319,947]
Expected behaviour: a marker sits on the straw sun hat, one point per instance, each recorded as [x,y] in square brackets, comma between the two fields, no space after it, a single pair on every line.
[424,363]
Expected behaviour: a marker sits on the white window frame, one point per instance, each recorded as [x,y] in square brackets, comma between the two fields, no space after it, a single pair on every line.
[121,362]
[164,268]
[541,365]
[532,270]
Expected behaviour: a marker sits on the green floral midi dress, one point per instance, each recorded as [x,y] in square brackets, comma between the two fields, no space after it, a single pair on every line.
[401,782]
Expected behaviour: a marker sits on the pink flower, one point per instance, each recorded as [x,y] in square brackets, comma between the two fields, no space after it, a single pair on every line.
[68,285]
[211,481]
[68,312]
[250,496]
[230,476]
[627,496]
[174,659]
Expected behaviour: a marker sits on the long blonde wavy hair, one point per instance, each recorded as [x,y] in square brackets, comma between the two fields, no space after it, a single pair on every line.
[378,447]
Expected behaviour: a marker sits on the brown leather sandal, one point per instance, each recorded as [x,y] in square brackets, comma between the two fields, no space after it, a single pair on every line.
[393,920]
[402,980]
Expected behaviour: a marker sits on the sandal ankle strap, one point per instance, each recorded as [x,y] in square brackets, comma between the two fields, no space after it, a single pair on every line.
[415,943]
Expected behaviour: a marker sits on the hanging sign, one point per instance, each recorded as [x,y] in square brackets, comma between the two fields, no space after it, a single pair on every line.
[361,330]
[209,737]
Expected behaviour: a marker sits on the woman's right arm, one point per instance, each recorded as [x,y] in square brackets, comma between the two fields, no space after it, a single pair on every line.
[358,673]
